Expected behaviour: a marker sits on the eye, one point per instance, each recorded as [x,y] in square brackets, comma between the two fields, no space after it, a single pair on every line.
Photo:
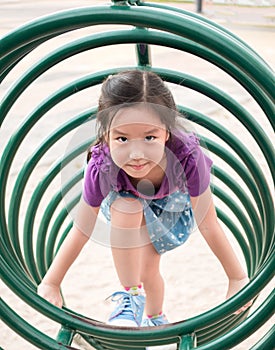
[150,138]
[122,139]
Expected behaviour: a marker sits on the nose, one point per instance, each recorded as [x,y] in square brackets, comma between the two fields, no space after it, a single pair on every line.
[136,151]
[136,154]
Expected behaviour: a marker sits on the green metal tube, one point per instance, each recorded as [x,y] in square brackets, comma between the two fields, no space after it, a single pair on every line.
[179,24]
[256,230]
[252,263]
[266,342]
[143,55]
[245,329]
[39,191]
[27,331]
[243,173]
[56,227]
[128,37]
[251,164]
[201,19]
[65,336]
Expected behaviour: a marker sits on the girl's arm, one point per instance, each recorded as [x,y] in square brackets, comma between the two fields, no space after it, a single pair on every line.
[78,236]
[206,218]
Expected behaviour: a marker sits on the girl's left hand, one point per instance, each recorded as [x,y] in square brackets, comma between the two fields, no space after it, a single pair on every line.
[234,287]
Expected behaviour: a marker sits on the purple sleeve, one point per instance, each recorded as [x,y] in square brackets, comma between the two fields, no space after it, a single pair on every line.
[197,168]
[95,186]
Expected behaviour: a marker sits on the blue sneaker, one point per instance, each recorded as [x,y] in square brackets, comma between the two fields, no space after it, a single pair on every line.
[155,321]
[158,321]
[129,310]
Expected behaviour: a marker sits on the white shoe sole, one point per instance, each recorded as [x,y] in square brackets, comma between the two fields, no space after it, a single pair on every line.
[163,347]
[122,323]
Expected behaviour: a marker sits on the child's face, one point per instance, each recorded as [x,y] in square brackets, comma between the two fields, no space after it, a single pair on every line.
[137,140]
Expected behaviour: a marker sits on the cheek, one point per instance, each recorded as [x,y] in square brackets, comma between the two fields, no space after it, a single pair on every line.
[155,152]
[119,155]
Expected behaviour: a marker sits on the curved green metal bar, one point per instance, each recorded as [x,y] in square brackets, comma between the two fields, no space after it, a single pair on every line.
[245,329]
[14,264]
[57,225]
[8,62]
[248,160]
[132,36]
[258,282]
[246,157]
[43,265]
[42,249]
[241,170]
[200,18]
[178,23]
[27,331]
[235,209]
[22,51]
[13,248]
[266,342]
[17,194]
[212,333]
[236,232]
[33,205]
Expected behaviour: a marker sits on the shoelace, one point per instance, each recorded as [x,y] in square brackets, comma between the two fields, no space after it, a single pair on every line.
[126,301]
[123,299]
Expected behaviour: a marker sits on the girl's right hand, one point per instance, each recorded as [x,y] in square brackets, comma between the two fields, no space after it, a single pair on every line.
[51,293]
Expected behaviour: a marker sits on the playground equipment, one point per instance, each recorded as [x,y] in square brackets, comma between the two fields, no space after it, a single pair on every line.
[32,230]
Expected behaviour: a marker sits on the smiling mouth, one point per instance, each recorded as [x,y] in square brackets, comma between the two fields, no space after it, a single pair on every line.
[137,166]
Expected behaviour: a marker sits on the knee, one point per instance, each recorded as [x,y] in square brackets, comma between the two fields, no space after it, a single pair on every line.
[128,212]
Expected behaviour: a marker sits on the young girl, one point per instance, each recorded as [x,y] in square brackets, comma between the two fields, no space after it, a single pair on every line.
[151,180]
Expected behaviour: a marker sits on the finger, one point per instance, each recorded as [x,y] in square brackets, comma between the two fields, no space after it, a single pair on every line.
[58,304]
[242,309]
[55,302]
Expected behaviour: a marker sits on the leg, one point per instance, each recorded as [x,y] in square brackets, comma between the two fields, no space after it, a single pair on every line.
[135,258]
[152,280]
[128,238]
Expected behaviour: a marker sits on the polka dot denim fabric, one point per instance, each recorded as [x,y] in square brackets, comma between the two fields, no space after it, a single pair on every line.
[169,220]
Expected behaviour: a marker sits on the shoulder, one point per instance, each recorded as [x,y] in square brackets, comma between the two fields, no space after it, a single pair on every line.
[191,166]
[96,184]
[100,159]
[182,143]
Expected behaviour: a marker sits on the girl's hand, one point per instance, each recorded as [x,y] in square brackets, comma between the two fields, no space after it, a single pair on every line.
[51,293]
[234,287]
